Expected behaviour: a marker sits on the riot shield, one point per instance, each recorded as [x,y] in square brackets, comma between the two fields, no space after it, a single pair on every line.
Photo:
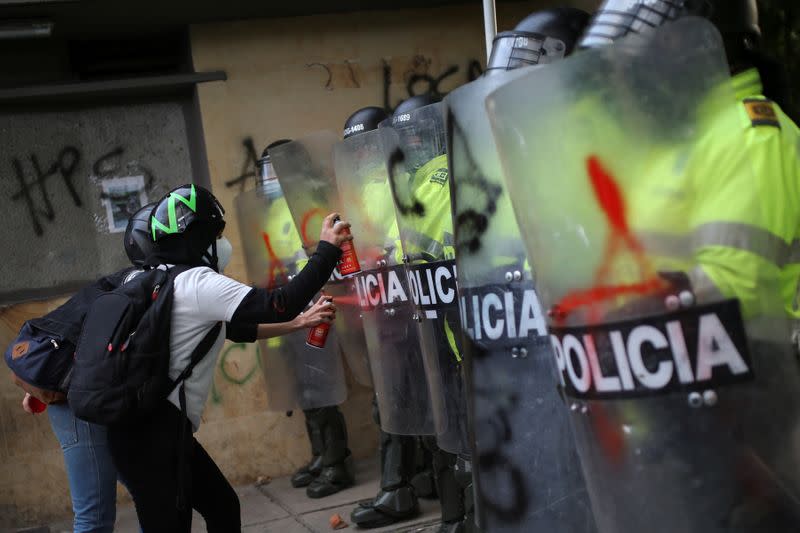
[418,175]
[295,374]
[305,170]
[638,207]
[392,338]
[527,472]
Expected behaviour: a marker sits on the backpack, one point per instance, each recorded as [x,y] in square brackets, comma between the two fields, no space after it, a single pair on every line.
[121,369]
[41,356]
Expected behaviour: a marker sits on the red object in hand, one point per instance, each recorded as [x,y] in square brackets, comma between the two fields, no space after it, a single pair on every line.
[348,263]
[36,405]
[318,335]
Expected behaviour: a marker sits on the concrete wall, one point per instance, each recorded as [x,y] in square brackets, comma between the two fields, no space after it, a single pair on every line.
[286,78]
[69,179]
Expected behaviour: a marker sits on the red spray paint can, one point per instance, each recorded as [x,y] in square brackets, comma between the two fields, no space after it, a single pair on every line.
[319,333]
[348,263]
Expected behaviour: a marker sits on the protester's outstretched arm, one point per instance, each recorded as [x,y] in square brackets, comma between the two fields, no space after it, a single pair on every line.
[322,311]
[263,306]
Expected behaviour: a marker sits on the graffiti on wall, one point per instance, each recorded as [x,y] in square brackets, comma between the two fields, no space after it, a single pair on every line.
[38,182]
[249,165]
[420,79]
[33,179]
[237,366]
[416,73]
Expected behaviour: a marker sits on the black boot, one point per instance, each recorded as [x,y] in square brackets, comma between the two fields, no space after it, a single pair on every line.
[338,470]
[463,475]
[396,501]
[450,495]
[423,481]
[309,472]
[389,506]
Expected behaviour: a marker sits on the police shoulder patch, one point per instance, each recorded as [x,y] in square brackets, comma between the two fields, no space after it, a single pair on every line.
[761,112]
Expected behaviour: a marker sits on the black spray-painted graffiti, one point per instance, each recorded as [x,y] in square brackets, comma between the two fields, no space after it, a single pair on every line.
[109,165]
[471,222]
[420,81]
[248,167]
[64,166]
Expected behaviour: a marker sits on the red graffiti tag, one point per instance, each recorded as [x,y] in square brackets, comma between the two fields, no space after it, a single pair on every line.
[317,211]
[276,266]
[621,239]
[611,200]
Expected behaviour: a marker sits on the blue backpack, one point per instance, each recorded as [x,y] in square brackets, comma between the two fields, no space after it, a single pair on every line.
[42,355]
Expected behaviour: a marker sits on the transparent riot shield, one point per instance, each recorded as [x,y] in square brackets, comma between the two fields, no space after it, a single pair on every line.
[527,472]
[393,342]
[296,375]
[418,175]
[649,241]
[305,170]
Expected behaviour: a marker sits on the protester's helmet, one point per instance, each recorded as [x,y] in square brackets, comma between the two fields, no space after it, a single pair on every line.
[541,37]
[138,241]
[185,225]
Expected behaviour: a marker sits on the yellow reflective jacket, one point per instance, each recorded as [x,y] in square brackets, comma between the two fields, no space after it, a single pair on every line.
[733,201]
[430,237]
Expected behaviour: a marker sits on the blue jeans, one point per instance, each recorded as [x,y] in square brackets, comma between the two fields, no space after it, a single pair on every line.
[92,475]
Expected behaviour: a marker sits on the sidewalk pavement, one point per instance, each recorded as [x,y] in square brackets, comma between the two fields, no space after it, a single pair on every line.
[278,507]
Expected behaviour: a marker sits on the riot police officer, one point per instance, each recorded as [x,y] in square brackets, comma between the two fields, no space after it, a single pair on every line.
[397,499]
[678,187]
[518,415]
[420,183]
[274,253]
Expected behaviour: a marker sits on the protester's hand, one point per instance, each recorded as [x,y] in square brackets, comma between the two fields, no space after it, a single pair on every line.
[26,403]
[32,405]
[321,311]
[334,230]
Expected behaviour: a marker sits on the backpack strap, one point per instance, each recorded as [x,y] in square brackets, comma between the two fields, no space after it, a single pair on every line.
[198,354]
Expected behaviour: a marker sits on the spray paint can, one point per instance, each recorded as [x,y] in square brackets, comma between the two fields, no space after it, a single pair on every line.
[348,263]
[319,333]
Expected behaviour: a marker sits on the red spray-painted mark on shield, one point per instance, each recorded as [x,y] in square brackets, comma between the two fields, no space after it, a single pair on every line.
[276,266]
[317,211]
[611,201]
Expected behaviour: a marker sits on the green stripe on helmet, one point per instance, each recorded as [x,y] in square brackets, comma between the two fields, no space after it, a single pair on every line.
[191,203]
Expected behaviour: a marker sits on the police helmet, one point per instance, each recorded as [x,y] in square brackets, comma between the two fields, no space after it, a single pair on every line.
[364,120]
[411,104]
[737,20]
[541,37]
[265,170]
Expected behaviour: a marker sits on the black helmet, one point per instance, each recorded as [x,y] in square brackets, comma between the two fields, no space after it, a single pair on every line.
[737,20]
[364,120]
[185,223]
[138,241]
[415,102]
[541,37]
[265,170]
[421,131]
